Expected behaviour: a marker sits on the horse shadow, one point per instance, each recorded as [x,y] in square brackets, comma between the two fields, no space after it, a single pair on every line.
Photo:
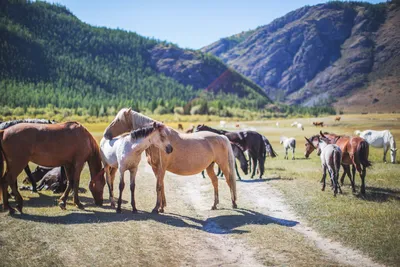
[377,194]
[223,224]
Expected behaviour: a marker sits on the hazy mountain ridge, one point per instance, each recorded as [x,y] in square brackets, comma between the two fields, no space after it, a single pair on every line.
[319,53]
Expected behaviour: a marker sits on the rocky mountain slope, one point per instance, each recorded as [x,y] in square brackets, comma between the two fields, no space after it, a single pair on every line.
[319,54]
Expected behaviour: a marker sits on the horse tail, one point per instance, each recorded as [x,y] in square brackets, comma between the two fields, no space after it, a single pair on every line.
[269,148]
[363,149]
[232,174]
[337,157]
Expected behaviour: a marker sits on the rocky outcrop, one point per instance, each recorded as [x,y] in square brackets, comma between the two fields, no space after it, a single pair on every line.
[316,54]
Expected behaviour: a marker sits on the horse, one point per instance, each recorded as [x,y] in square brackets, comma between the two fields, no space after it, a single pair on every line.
[55,180]
[318,123]
[331,157]
[192,154]
[337,118]
[239,154]
[190,129]
[288,143]
[298,125]
[124,153]
[6,124]
[246,140]
[180,127]
[380,139]
[66,144]
[355,152]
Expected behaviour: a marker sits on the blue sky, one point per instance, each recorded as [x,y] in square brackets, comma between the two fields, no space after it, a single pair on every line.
[190,24]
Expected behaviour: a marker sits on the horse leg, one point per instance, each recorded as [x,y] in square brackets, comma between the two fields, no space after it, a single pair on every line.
[121,189]
[132,185]
[334,184]
[214,180]
[363,174]
[220,173]
[385,150]
[110,175]
[254,159]
[77,173]
[237,172]
[323,177]
[159,191]
[63,199]
[261,161]
[293,153]
[202,174]
[33,182]
[227,172]
[18,197]
[286,153]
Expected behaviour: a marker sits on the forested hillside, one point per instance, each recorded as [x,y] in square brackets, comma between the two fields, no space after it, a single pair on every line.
[48,56]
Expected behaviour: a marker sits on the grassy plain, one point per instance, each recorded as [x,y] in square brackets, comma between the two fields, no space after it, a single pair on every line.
[190,234]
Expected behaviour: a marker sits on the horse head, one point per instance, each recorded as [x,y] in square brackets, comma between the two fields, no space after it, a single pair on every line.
[122,123]
[96,186]
[159,137]
[310,147]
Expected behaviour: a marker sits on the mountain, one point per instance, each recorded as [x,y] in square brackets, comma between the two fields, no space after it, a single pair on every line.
[322,54]
[48,56]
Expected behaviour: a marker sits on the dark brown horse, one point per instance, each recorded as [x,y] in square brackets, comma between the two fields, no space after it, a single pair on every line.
[256,144]
[66,144]
[318,123]
[355,152]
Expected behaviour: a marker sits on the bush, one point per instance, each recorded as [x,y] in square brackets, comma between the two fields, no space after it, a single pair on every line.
[179,110]
[160,110]
[18,111]
[195,110]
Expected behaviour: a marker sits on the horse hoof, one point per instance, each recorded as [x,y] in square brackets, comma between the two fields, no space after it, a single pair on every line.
[119,211]
[234,206]
[80,206]
[112,205]
[62,205]
[161,210]
[155,211]
[135,211]
[213,208]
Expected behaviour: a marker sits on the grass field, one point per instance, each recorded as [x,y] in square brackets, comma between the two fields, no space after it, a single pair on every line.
[258,233]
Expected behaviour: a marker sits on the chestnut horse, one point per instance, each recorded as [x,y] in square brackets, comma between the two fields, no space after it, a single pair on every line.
[66,144]
[192,154]
[355,152]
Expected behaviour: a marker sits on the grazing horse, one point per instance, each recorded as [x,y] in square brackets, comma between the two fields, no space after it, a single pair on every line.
[6,124]
[239,154]
[66,144]
[124,153]
[190,130]
[331,157]
[180,127]
[380,139]
[192,154]
[54,180]
[355,152]
[246,140]
[288,143]
[337,118]
[318,123]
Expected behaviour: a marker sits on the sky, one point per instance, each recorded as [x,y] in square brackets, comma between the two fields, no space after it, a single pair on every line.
[187,23]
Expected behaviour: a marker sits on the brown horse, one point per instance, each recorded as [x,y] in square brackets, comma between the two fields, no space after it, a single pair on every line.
[337,118]
[355,151]
[318,123]
[192,154]
[66,144]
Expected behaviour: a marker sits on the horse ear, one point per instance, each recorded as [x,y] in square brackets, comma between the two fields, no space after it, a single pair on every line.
[336,139]
[309,142]
[155,125]
[320,132]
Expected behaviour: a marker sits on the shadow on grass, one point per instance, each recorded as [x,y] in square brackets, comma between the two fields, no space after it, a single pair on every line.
[224,224]
[257,180]
[376,194]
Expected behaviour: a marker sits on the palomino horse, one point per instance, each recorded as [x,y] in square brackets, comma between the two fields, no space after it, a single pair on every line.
[355,151]
[380,139]
[247,140]
[66,144]
[124,153]
[6,124]
[192,154]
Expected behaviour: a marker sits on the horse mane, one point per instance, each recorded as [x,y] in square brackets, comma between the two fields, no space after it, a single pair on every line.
[139,120]
[6,124]
[142,132]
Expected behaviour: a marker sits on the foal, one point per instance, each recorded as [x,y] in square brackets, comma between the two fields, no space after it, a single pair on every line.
[288,143]
[124,153]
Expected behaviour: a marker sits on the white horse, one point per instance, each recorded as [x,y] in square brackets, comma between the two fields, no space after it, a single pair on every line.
[288,143]
[124,153]
[298,125]
[331,157]
[380,139]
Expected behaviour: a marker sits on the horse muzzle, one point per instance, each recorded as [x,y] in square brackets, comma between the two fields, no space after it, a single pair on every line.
[169,149]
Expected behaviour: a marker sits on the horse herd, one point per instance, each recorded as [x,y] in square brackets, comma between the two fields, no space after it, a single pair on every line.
[131,133]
